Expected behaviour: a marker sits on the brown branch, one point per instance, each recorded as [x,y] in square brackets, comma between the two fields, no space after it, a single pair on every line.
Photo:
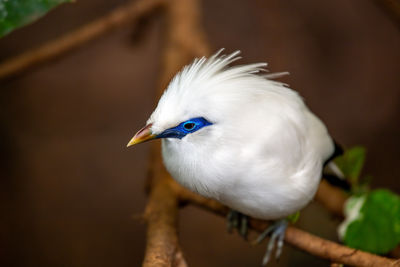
[331,197]
[162,219]
[300,239]
[184,40]
[161,214]
[53,49]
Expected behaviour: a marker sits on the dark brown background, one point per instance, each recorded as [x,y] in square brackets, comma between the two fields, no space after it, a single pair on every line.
[71,193]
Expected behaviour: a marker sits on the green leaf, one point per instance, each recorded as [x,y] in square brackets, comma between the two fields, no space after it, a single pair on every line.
[17,13]
[351,163]
[293,218]
[372,222]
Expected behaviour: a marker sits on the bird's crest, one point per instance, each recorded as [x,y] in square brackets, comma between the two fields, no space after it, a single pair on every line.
[216,68]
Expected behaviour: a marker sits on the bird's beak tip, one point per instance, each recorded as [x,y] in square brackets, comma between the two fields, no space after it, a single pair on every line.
[131,142]
[142,135]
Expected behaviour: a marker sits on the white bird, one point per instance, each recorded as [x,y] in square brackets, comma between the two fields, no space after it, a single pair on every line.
[232,134]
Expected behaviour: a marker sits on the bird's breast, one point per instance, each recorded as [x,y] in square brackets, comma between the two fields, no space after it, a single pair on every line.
[262,187]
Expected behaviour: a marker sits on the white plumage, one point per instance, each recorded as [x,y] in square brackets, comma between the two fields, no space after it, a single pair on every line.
[263,153]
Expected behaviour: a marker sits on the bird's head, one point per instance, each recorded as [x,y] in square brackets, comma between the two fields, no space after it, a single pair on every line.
[203,95]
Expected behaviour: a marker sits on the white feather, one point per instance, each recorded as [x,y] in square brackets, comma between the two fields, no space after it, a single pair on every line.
[262,156]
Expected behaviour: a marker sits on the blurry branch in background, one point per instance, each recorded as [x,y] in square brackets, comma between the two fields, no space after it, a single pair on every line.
[331,197]
[392,8]
[185,40]
[55,48]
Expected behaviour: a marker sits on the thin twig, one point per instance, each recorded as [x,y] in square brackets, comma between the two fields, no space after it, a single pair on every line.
[300,239]
[184,40]
[55,48]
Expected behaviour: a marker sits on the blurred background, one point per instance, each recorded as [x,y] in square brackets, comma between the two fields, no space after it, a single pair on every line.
[71,193]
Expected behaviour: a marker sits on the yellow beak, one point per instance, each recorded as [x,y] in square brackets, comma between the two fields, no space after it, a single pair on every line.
[142,135]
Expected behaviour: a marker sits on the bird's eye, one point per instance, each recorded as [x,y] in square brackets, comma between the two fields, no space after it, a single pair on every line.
[188,126]
[184,128]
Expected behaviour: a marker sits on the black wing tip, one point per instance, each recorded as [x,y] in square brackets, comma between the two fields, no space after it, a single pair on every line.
[333,179]
[338,151]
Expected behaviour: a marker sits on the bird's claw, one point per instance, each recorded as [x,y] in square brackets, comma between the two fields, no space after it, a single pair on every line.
[239,221]
[277,232]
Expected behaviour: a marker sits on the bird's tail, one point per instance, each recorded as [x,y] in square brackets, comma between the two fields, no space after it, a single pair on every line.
[332,169]
[332,173]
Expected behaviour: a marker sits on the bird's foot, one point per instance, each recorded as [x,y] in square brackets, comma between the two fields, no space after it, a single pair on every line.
[277,232]
[239,221]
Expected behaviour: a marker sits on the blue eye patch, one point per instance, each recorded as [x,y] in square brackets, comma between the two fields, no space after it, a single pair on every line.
[184,128]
